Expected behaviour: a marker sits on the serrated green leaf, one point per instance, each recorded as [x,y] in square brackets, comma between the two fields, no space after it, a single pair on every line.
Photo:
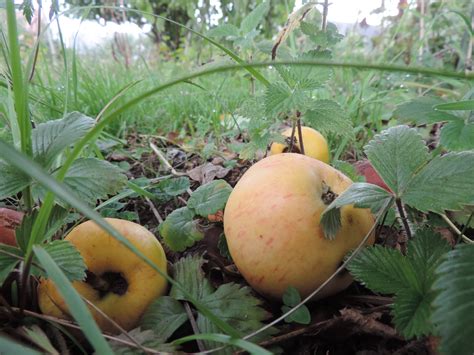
[164,316]
[180,230]
[383,270]
[67,258]
[235,305]
[397,154]
[12,181]
[466,105]
[51,138]
[188,272]
[446,183]
[28,10]
[411,313]
[327,116]
[421,111]
[458,135]
[224,30]
[410,278]
[312,77]
[280,98]
[360,194]
[8,260]
[251,21]
[146,338]
[93,179]
[169,188]
[209,198]
[454,303]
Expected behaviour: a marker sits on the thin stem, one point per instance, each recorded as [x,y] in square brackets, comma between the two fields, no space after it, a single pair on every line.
[194,325]
[300,132]
[403,217]
[325,15]
[456,229]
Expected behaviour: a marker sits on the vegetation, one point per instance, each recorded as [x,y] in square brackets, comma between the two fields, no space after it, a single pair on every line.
[159,131]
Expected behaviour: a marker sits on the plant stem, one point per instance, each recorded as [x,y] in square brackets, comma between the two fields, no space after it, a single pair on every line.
[325,15]
[300,132]
[456,229]
[403,216]
[292,137]
[194,325]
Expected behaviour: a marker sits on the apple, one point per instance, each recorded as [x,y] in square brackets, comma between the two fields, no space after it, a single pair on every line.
[118,282]
[315,145]
[272,225]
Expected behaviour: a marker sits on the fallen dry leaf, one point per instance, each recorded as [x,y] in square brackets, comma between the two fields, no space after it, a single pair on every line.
[207,172]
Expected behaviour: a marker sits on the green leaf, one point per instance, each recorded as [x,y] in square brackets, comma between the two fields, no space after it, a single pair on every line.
[67,258]
[8,260]
[360,194]
[236,306]
[180,230]
[209,198]
[28,10]
[466,105]
[164,316]
[411,313]
[169,188]
[10,346]
[251,21]
[51,138]
[291,298]
[397,154]
[188,272]
[280,98]
[75,304]
[12,181]
[383,270]
[458,135]
[454,303]
[224,30]
[37,336]
[446,183]
[146,338]
[93,179]
[421,111]
[410,278]
[327,116]
[310,77]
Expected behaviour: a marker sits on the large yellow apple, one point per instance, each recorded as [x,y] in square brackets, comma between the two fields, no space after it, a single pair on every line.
[118,282]
[272,225]
[315,145]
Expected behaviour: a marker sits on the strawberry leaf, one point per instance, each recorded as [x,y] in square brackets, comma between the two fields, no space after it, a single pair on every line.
[397,154]
[180,230]
[209,198]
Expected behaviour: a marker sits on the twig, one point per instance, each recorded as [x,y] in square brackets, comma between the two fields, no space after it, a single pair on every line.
[325,15]
[292,137]
[154,210]
[403,217]
[167,164]
[456,229]
[194,325]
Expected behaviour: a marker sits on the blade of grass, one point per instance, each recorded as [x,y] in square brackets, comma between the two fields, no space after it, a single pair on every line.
[227,340]
[75,304]
[9,346]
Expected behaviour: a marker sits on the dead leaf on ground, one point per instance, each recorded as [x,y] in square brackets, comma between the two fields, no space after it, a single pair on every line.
[207,172]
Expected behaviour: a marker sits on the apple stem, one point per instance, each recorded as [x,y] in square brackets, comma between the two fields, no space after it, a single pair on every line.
[403,217]
[300,132]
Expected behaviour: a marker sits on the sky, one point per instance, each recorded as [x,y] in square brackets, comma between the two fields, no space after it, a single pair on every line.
[92,33]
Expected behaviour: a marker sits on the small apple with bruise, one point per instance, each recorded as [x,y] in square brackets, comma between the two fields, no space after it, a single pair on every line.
[118,282]
[272,226]
[315,145]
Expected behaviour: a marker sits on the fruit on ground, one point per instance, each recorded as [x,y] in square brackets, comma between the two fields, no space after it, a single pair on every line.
[315,145]
[118,282]
[272,225]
